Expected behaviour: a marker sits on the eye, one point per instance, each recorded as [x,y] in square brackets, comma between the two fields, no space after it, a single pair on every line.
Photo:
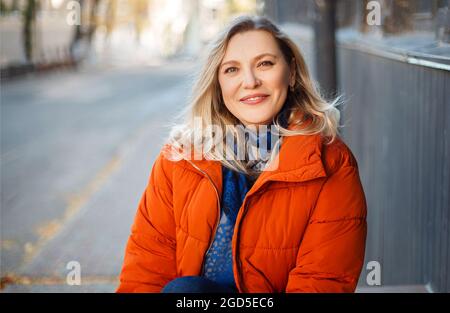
[266,63]
[230,70]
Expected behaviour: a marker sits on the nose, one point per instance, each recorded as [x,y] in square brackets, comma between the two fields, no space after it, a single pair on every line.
[250,80]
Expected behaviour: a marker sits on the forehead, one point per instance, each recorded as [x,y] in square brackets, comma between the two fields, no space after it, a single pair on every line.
[249,44]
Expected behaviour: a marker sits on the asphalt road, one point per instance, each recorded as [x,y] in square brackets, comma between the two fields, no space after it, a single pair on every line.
[76,152]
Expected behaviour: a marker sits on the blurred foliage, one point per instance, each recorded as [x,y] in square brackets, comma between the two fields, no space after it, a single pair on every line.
[29,18]
[27,11]
[400,18]
[241,6]
[3,7]
[8,9]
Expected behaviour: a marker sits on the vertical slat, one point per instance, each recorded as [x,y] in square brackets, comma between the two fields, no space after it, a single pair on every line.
[446,179]
[399,135]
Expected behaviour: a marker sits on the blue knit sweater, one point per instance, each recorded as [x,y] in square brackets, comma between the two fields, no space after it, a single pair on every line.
[219,262]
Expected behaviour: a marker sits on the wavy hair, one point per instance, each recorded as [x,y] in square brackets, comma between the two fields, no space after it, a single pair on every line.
[303,103]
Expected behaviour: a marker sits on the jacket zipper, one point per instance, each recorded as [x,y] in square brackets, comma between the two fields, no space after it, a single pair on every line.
[218,213]
[237,228]
[236,256]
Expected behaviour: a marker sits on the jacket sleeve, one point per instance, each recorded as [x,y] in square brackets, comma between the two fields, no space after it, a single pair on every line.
[331,254]
[149,261]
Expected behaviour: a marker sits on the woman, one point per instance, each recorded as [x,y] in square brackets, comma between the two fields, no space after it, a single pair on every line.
[285,215]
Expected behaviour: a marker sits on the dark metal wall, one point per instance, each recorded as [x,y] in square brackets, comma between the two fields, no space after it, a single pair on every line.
[398,127]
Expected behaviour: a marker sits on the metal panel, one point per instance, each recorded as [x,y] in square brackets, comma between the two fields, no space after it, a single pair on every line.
[398,129]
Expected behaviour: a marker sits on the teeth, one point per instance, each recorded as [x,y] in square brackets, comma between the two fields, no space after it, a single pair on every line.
[255,98]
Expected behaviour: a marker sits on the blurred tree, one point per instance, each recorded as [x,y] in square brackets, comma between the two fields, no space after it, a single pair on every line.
[15,5]
[8,6]
[29,22]
[110,16]
[140,15]
[3,7]
[92,19]
[78,31]
[86,28]
[400,18]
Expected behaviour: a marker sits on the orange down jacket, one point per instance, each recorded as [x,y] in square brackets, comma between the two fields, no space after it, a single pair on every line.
[301,228]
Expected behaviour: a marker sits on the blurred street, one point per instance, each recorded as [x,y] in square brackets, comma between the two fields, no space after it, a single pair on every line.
[77,149]
[90,89]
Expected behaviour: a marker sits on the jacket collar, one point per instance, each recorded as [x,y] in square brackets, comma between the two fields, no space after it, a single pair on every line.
[299,160]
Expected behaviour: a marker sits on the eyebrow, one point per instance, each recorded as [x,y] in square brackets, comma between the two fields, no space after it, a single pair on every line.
[255,58]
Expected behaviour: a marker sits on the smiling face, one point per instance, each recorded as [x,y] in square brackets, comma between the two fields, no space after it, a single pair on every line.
[254,77]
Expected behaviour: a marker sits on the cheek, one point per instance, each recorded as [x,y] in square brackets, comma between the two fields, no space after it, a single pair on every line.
[279,80]
[228,88]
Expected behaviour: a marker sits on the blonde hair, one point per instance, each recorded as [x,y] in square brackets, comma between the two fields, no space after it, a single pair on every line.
[303,102]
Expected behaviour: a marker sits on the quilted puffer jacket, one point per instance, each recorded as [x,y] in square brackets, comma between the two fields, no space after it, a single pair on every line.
[301,228]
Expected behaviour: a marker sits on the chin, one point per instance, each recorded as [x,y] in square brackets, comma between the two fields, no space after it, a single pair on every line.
[261,117]
[254,121]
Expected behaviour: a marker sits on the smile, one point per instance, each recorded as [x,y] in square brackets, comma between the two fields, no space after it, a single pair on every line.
[254,100]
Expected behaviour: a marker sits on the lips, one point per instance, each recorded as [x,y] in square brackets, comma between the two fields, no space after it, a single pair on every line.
[254,98]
